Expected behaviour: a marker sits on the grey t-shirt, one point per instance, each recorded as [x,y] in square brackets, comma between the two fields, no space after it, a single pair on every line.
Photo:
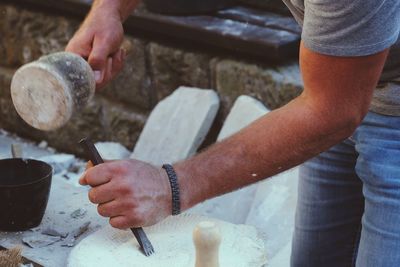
[356,28]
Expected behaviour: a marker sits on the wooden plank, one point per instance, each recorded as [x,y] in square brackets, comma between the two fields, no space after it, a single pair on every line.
[235,36]
[261,18]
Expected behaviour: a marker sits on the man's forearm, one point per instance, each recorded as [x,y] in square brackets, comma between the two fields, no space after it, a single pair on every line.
[123,7]
[337,94]
[278,141]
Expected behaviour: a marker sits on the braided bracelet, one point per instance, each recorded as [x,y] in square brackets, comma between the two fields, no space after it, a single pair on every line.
[173,180]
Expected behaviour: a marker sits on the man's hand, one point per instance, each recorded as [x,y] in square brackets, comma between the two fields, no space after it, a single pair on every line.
[99,39]
[130,192]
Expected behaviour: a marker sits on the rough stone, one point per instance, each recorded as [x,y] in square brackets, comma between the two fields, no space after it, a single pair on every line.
[273,87]
[6,75]
[123,125]
[39,240]
[43,144]
[88,122]
[27,35]
[54,232]
[171,67]
[133,84]
[245,110]
[177,126]
[10,120]
[59,162]
[112,150]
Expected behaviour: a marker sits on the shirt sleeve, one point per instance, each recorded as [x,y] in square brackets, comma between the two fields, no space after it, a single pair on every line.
[350,27]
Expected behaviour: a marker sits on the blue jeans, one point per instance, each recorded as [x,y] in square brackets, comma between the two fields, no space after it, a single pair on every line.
[348,211]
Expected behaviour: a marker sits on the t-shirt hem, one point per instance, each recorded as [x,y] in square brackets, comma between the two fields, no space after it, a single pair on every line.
[350,51]
[386,110]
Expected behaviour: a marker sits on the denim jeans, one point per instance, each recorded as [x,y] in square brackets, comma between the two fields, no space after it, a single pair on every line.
[348,211]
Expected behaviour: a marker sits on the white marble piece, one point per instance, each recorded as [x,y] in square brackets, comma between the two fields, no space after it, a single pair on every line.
[112,150]
[241,245]
[177,126]
[244,111]
[235,206]
[29,150]
[59,162]
[273,210]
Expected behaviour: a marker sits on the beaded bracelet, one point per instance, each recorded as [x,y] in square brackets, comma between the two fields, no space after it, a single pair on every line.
[173,180]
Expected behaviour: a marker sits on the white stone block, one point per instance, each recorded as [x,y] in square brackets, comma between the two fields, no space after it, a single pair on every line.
[112,150]
[244,111]
[177,126]
[234,207]
[59,162]
[273,209]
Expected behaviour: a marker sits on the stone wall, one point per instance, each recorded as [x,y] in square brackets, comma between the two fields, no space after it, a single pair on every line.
[152,71]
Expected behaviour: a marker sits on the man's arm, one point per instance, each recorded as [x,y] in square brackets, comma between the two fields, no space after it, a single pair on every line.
[100,36]
[336,97]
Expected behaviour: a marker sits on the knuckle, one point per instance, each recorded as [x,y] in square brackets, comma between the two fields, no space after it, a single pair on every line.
[131,206]
[125,190]
[90,176]
[102,211]
[123,167]
[92,196]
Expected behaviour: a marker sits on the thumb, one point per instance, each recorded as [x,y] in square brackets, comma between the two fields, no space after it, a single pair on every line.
[80,46]
[98,58]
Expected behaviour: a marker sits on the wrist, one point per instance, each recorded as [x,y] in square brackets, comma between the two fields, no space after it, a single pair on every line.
[165,203]
[190,188]
[120,8]
[106,8]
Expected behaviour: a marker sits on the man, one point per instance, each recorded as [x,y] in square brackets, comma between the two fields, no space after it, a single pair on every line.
[349,196]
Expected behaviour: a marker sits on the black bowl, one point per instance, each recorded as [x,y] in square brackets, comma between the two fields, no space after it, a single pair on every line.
[186,7]
[24,192]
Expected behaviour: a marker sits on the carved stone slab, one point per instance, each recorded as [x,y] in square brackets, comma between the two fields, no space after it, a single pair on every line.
[177,126]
